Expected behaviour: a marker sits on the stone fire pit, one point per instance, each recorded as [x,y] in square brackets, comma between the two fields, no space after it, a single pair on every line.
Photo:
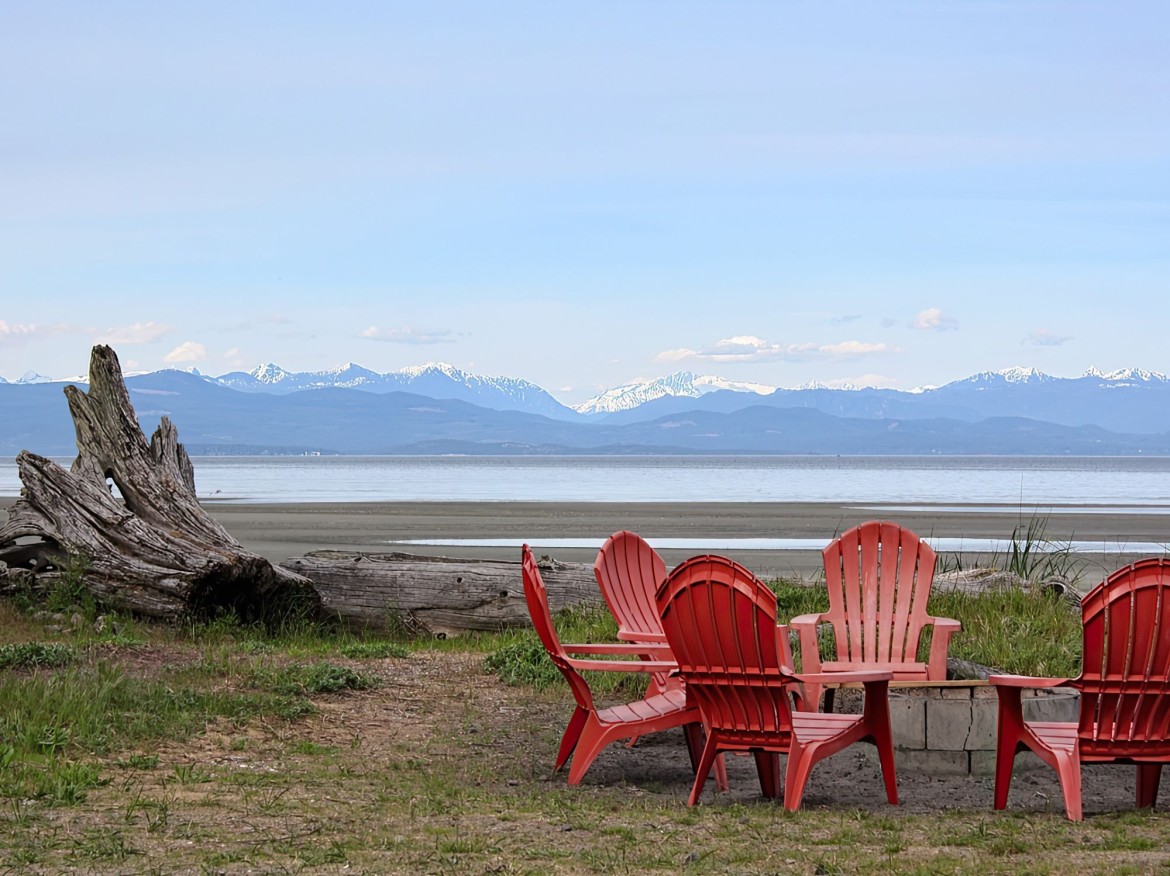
[948,727]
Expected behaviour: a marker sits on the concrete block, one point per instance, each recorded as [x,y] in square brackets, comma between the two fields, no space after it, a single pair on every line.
[920,762]
[948,724]
[954,693]
[984,719]
[908,721]
[983,763]
[1056,706]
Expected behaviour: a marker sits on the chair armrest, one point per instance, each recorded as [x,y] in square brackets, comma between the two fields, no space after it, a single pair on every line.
[1025,681]
[810,652]
[642,638]
[805,620]
[623,665]
[658,652]
[940,643]
[861,676]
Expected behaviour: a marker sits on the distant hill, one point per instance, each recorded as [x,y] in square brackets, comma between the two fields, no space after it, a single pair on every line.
[434,379]
[213,418]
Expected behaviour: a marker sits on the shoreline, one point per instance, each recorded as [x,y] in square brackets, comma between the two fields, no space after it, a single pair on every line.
[279,531]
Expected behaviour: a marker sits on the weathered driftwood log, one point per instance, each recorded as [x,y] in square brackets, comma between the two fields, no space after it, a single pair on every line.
[154,551]
[991,580]
[435,594]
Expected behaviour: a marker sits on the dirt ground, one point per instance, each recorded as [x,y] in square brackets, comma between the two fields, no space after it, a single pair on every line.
[445,769]
[448,698]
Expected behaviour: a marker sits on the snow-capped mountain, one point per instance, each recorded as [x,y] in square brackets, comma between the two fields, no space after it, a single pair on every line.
[31,377]
[1127,377]
[1004,376]
[434,379]
[680,384]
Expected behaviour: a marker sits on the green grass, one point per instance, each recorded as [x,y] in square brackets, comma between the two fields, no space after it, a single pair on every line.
[522,658]
[28,655]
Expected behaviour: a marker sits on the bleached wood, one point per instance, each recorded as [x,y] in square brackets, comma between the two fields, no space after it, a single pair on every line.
[154,551]
[440,594]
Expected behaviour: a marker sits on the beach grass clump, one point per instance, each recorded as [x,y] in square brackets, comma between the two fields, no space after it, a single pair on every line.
[523,660]
[1024,631]
[1028,631]
[300,679]
[32,655]
[1032,556]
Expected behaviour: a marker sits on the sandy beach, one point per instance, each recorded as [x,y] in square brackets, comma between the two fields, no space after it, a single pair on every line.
[280,531]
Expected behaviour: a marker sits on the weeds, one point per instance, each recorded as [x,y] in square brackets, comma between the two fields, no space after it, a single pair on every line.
[30,655]
[1032,557]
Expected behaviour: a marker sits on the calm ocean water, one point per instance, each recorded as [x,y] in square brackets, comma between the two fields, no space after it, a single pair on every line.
[1032,481]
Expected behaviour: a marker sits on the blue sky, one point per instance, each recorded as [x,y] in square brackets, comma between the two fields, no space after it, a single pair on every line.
[583,194]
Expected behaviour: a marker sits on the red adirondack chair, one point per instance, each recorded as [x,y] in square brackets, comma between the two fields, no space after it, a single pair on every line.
[591,728]
[878,576]
[628,571]
[720,622]
[1124,685]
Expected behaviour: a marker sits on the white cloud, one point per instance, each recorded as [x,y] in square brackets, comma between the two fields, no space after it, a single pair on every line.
[188,351]
[749,348]
[933,319]
[16,332]
[409,335]
[1045,338]
[138,333]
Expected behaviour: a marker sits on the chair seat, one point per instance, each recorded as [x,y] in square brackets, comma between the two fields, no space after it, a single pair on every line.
[818,726]
[672,700]
[902,671]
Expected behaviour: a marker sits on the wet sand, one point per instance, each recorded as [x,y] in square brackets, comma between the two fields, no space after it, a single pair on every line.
[279,531]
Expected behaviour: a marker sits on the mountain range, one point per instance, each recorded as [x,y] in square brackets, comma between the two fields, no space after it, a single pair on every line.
[436,408]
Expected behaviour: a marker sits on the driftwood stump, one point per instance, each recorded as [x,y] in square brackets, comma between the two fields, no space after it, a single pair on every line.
[436,595]
[154,551]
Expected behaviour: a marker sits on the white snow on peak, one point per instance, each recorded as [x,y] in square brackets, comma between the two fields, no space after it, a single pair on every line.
[444,368]
[30,377]
[1128,375]
[710,383]
[1008,375]
[682,383]
[270,373]
[1022,375]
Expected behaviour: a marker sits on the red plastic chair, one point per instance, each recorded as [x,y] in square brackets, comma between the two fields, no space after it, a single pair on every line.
[628,571]
[1124,685]
[720,622]
[591,728]
[879,576]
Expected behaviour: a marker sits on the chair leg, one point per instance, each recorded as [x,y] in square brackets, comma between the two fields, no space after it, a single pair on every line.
[1009,732]
[1068,768]
[695,749]
[801,759]
[594,737]
[572,734]
[1148,777]
[768,769]
[701,771]
[883,739]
